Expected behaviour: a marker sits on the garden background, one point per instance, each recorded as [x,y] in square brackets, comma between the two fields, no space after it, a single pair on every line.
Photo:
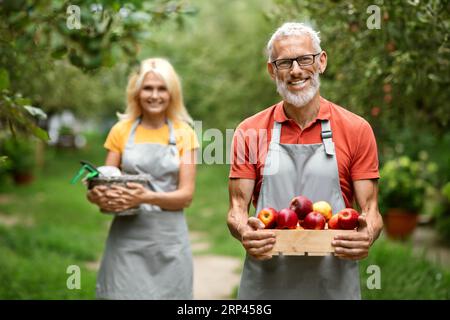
[397,77]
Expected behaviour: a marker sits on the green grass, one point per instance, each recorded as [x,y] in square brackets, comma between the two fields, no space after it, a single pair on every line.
[60,229]
[56,227]
[404,275]
[208,212]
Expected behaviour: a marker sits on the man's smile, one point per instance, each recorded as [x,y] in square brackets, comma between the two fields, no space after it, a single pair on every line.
[298,84]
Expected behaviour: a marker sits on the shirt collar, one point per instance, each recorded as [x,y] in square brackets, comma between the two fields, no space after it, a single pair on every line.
[324,111]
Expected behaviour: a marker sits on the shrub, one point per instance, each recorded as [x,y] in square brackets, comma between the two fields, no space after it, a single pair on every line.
[405,182]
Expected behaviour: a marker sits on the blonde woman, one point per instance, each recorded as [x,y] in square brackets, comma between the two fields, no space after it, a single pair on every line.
[148,256]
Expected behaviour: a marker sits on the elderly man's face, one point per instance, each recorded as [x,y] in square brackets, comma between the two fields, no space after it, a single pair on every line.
[297,85]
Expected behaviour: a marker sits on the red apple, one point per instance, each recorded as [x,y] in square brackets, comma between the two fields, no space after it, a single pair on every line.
[387,88]
[314,220]
[333,222]
[375,111]
[287,219]
[390,46]
[348,219]
[302,206]
[268,216]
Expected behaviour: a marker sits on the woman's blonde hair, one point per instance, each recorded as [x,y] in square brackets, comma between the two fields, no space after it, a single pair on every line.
[162,68]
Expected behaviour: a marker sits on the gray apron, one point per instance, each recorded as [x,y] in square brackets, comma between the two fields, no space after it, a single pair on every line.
[290,170]
[148,256]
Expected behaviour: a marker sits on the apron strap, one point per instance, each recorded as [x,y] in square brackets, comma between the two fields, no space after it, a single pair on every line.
[327,135]
[172,138]
[276,132]
[133,131]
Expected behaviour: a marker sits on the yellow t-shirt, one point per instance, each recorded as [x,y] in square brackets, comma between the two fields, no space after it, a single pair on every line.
[119,133]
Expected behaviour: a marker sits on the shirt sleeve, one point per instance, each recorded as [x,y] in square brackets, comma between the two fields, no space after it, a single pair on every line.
[241,164]
[188,139]
[114,141]
[365,160]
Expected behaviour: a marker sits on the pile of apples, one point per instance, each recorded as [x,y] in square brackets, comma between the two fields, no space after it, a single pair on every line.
[302,213]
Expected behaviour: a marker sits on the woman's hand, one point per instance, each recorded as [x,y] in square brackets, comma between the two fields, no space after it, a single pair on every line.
[97,195]
[130,197]
[103,197]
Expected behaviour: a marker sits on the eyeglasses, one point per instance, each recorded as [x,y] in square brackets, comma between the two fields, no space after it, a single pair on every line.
[306,60]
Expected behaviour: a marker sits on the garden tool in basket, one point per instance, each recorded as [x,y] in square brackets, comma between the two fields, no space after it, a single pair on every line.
[88,168]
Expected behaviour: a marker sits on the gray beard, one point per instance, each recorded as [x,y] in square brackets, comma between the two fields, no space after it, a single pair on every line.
[299,99]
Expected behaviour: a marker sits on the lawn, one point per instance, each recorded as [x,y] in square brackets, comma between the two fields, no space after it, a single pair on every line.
[51,227]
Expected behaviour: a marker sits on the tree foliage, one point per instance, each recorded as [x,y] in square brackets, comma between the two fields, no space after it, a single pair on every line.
[397,75]
[220,56]
[33,34]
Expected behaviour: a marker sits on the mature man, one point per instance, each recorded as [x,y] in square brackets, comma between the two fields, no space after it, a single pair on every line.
[317,149]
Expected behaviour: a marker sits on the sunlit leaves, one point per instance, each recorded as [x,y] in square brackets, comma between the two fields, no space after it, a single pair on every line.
[19,117]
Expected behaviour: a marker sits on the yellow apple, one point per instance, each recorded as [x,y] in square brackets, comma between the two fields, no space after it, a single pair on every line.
[323,208]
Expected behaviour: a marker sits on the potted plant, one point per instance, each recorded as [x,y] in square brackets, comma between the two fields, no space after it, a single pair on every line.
[404,185]
[20,159]
[66,137]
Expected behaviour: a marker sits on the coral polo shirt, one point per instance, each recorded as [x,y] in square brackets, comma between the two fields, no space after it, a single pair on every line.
[354,140]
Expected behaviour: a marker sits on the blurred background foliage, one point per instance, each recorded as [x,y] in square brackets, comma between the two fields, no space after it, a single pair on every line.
[396,77]
[36,35]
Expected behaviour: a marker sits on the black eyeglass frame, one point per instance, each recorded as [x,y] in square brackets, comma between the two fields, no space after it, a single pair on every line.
[274,62]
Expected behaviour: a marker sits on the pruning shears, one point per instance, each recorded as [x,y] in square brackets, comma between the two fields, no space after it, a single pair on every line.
[88,167]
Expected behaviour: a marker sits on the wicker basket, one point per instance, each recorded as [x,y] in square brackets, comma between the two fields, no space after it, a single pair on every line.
[119,181]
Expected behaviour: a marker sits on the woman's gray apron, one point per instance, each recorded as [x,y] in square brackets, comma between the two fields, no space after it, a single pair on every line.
[148,256]
[310,170]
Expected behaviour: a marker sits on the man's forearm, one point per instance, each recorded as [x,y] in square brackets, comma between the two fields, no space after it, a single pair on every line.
[237,220]
[241,191]
[374,222]
[366,192]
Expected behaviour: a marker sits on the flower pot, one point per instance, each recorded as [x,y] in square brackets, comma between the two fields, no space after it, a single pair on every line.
[400,223]
[23,178]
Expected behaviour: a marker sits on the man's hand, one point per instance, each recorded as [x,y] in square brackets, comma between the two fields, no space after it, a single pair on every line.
[249,231]
[257,242]
[355,246]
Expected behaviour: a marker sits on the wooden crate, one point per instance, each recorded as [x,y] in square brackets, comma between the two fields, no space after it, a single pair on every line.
[301,242]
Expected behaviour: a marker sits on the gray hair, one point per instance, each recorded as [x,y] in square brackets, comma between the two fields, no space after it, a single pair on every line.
[294,28]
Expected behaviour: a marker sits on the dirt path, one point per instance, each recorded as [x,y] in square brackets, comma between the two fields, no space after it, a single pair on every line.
[426,241]
[215,277]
